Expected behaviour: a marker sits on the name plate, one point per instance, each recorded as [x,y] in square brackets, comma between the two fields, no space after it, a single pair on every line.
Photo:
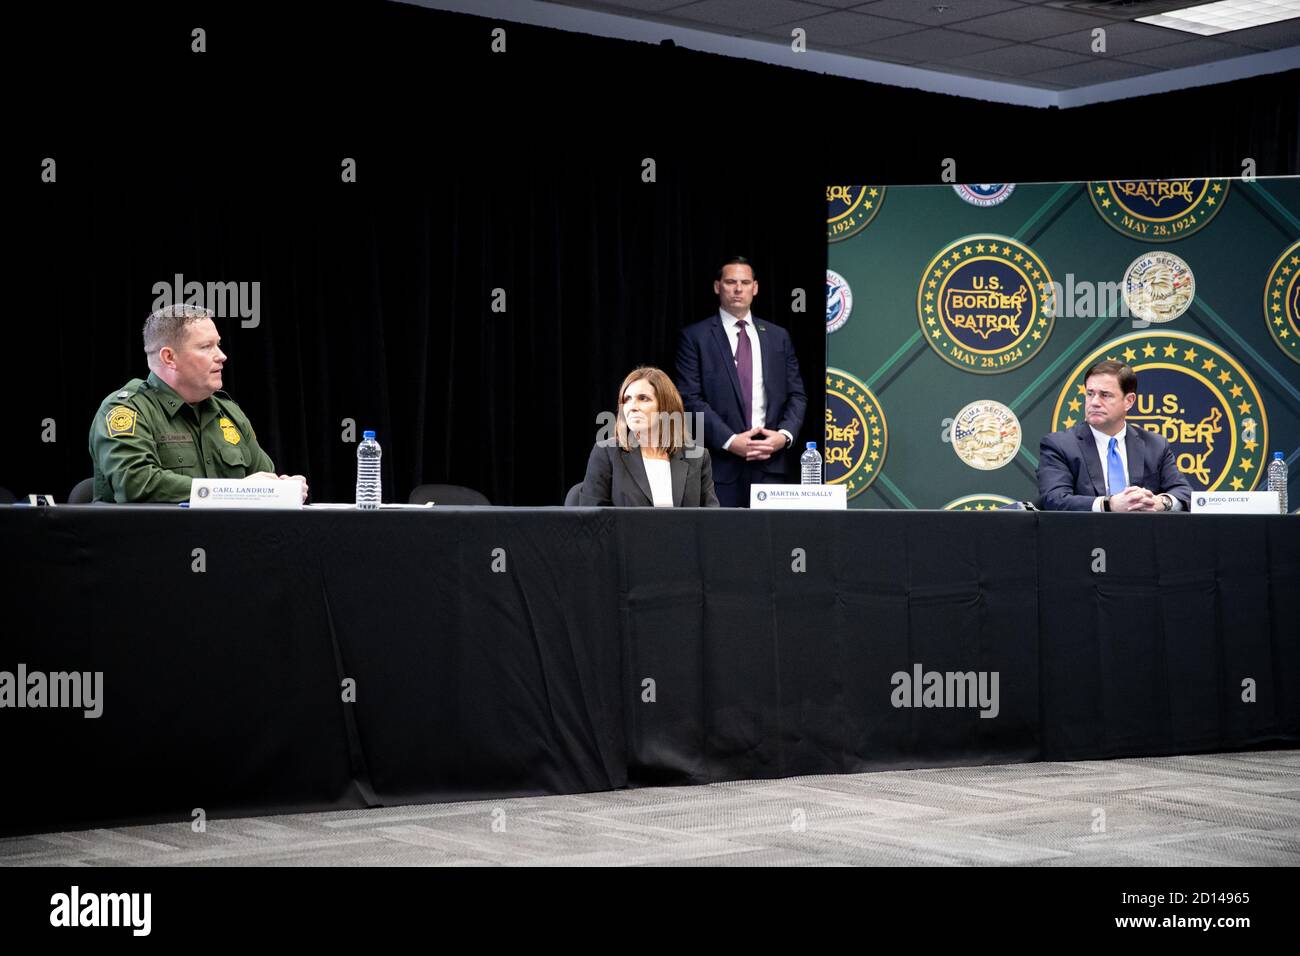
[802,497]
[1235,503]
[225,493]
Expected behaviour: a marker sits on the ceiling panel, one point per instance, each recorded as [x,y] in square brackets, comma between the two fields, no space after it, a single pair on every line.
[1031,23]
[746,16]
[1097,71]
[1188,53]
[936,13]
[1018,60]
[842,28]
[933,45]
[1122,39]
[1036,44]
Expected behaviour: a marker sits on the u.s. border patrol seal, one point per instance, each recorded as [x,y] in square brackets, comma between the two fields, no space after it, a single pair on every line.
[1158,210]
[228,431]
[984,194]
[1282,301]
[978,503]
[850,208]
[839,301]
[1196,395]
[986,435]
[985,304]
[856,435]
[120,421]
[1158,287]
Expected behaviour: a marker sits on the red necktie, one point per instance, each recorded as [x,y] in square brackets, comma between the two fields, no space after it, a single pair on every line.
[745,369]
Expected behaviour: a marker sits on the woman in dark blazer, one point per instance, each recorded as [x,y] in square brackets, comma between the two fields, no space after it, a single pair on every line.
[649,462]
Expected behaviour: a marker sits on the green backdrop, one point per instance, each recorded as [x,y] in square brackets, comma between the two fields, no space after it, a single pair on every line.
[960,320]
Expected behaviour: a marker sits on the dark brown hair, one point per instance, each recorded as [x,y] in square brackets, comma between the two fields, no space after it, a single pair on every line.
[1128,380]
[671,410]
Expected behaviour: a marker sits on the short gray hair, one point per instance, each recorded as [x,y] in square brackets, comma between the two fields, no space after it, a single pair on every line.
[166,326]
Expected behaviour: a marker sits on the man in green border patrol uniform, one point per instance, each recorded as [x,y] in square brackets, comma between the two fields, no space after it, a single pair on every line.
[152,436]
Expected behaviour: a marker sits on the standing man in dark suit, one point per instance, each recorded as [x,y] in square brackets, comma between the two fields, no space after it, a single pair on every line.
[1105,464]
[741,375]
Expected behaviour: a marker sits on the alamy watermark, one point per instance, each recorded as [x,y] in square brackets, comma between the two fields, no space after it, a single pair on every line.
[75,690]
[664,430]
[75,908]
[922,688]
[225,300]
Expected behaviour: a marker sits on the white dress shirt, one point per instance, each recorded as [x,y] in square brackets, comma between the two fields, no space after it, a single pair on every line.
[659,471]
[758,395]
[1103,450]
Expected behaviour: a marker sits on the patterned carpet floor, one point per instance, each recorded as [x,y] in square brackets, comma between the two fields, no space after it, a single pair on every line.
[1237,809]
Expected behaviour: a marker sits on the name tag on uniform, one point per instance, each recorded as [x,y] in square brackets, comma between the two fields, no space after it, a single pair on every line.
[175,438]
[802,497]
[224,493]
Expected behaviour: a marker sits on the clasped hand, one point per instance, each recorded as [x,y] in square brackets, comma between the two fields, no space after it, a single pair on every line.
[1134,498]
[757,445]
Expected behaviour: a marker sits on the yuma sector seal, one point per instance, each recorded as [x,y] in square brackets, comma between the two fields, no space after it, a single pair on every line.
[839,301]
[1193,393]
[1158,210]
[1282,301]
[1158,287]
[856,435]
[850,208]
[985,304]
[978,503]
[986,435]
[984,194]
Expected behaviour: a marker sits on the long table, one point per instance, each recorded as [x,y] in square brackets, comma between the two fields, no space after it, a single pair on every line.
[263,662]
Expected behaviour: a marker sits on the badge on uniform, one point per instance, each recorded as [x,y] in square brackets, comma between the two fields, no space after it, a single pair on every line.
[229,432]
[121,421]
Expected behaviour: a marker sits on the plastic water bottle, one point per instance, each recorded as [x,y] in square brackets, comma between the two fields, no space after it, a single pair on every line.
[369,483]
[1277,473]
[810,466]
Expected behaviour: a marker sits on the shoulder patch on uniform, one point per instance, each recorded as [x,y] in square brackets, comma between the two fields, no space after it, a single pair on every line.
[229,432]
[121,421]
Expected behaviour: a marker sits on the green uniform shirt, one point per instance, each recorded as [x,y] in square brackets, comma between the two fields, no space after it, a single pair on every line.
[147,443]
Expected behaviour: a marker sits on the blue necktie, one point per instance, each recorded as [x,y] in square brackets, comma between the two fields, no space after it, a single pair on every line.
[1115,468]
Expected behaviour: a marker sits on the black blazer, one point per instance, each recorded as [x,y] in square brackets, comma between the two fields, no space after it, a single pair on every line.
[618,477]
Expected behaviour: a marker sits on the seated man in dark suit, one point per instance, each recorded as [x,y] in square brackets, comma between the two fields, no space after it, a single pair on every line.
[1105,464]
[650,462]
[741,374]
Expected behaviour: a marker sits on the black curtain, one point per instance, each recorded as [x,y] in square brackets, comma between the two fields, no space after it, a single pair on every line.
[522,171]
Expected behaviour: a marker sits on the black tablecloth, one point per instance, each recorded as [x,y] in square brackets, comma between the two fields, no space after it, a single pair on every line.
[502,652]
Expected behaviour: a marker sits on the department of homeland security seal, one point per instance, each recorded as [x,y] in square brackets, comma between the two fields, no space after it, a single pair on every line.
[850,208]
[985,304]
[1158,210]
[856,435]
[979,503]
[1193,393]
[839,301]
[1282,301]
[984,194]
[986,435]
[1158,287]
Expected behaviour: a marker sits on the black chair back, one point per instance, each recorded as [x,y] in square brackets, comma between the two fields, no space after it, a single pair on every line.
[447,495]
[83,493]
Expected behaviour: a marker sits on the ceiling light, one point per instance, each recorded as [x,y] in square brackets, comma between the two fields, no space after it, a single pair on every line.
[1224,16]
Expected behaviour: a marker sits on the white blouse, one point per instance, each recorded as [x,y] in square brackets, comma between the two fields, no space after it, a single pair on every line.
[659,472]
